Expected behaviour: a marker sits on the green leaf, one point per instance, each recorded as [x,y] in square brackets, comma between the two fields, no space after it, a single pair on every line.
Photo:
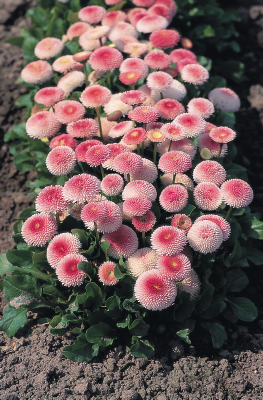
[218,335]
[20,258]
[125,322]
[5,265]
[95,298]
[188,209]
[73,17]
[57,327]
[225,119]
[75,5]
[81,350]
[27,212]
[105,246]
[101,334]
[184,335]
[131,306]
[208,32]
[207,296]
[82,236]
[13,319]
[117,6]
[17,285]
[237,280]
[86,267]
[113,307]
[117,272]
[28,49]
[142,349]
[255,256]
[243,308]
[15,41]
[185,307]
[139,328]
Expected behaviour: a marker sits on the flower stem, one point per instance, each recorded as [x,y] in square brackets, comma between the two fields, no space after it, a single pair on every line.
[133,86]
[128,178]
[154,152]
[86,75]
[143,239]
[100,42]
[138,149]
[108,80]
[228,213]
[142,147]
[57,218]
[161,95]
[96,232]
[219,153]
[170,145]
[99,121]
[173,179]
[102,171]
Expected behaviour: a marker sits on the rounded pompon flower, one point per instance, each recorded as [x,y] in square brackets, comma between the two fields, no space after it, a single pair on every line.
[168,240]
[82,56]
[90,44]
[95,96]
[159,80]
[106,273]
[135,136]
[190,285]
[127,163]
[67,270]
[204,141]
[200,106]
[64,64]
[116,149]
[42,124]
[105,59]
[133,97]
[144,114]
[112,17]
[158,60]
[51,199]
[69,111]
[164,38]
[237,193]
[169,108]
[63,140]
[82,128]
[93,211]
[154,291]
[180,54]
[173,198]
[143,3]
[222,134]
[173,132]
[92,14]
[193,124]
[120,129]
[61,160]
[151,23]
[224,99]
[81,188]
[184,145]
[209,171]
[136,49]
[163,10]
[60,246]
[136,206]
[207,196]
[167,179]
[83,147]
[139,189]
[182,222]
[49,96]
[48,47]
[176,91]
[205,237]
[97,155]
[176,267]
[134,64]
[38,229]
[220,221]
[141,261]
[71,81]
[123,242]
[37,72]
[148,172]
[175,162]
[112,184]
[195,74]
[130,77]
[115,105]
[120,30]
[155,135]
[145,222]
[110,222]
[77,29]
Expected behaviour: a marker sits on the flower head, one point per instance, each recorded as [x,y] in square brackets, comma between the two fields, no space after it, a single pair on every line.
[139,189]
[176,267]
[224,99]
[180,54]
[151,23]
[164,38]
[120,30]
[184,145]
[200,106]
[71,81]
[205,237]
[148,172]
[144,114]
[105,59]
[127,163]
[159,80]
[193,124]
[209,171]
[143,3]
[94,211]
[64,64]
[133,97]
[115,149]
[60,246]
[77,29]
[42,124]
[69,111]
[48,47]
[38,229]
[168,240]
[167,179]
[92,14]
[237,193]
[145,222]
[49,96]
[154,291]
[81,188]
[161,9]
[106,273]
[182,222]
[186,43]
[82,56]
[95,96]
[207,196]
[191,285]
[130,77]
[169,108]
[173,131]
[205,141]
[82,128]
[61,160]
[157,59]
[123,242]
[112,184]
[135,136]
[116,105]
[112,17]
[142,260]
[51,199]
[37,72]
[110,222]
[155,135]
[63,140]
[135,49]
[173,198]
[134,64]
[67,270]
[195,74]
[222,134]
[176,91]
[220,221]
[136,206]
[83,147]
[97,155]
[174,162]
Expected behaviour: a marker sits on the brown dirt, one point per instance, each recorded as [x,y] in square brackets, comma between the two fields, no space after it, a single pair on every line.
[32,364]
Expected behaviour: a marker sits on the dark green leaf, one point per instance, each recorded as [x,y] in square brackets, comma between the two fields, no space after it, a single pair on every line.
[131,306]
[243,308]
[20,258]
[255,256]
[81,350]
[82,236]
[218,335]
[113,307]
[87,268]
[105,246]
[17,285]
[5,265]
[206,296]
[185,307]
[142,349]
[216,307]
[15,41]
[124,323]
[94,296]
[13,319]
[188,209]
[139,328]
[101,334]
[184,335]
[237,280]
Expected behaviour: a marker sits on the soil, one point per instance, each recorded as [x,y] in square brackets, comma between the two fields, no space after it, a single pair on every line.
[32,364]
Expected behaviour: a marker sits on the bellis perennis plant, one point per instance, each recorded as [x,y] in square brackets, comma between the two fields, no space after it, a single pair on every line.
[138,226]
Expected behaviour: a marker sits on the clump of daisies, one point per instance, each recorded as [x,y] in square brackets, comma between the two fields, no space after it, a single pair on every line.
[132,152]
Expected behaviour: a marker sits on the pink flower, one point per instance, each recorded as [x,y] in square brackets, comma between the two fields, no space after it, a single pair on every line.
[180,54]
[127,163]
[174,162]
[95,96]
[155,135]
[148,172]
[225,99]
[133,97]
[48,47]
[92,14]
[38,229]
[121,30]
[63,140]
[145,222]
[159,80]
[139,189]
[200,106]
[112,184]
[115,149]
[69,111]
[174,198]
[220,221]
[176,267]
[204,141]
[123,242]
[164,38]
[130,77]
[135,136]
[106,273]
[182,222]
[142,260]
[94,211]
[64,64]
[151,23]
[82,128]
[193,124]
[144,114]
[134,64]
[162,10]
[83,147]
[77,29]
[105,59]
[51,199]
[42,124]
[49,96]
[173,131]
[191,285]
[157,60]
[222,134]
[136,206]
[205,237]
[169,108]
[82,56]
[209,171]
[97,155]
[154,291]
[237,193]
[60,246]
[37,72]
[184,145]
[61,160]
[207,196]
[81,188]
[168,240]
[143,3]
[112,17]
[67,270]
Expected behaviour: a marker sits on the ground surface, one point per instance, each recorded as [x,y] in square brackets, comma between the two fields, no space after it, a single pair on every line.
[32,364]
